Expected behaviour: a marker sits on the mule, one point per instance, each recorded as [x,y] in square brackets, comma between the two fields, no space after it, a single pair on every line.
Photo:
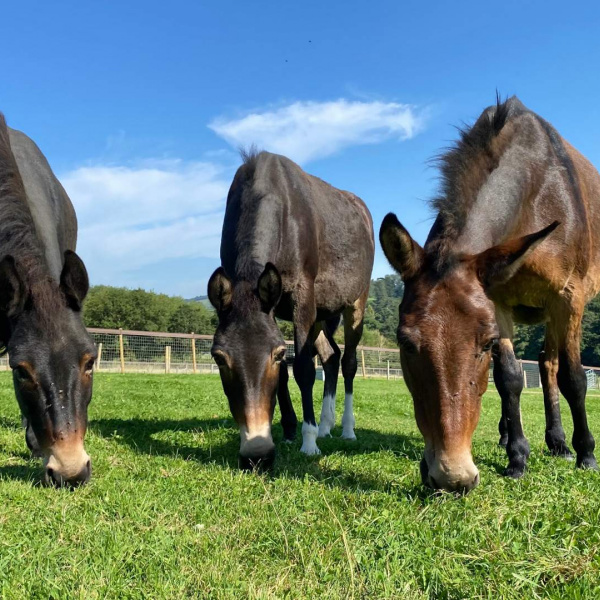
[513,241]
[295,248]
[42,287]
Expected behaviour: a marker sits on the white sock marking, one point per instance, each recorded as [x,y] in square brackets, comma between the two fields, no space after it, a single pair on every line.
[309,439]
[327,416]
[348,418]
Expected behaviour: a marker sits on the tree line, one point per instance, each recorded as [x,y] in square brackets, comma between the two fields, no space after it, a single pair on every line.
[111,307]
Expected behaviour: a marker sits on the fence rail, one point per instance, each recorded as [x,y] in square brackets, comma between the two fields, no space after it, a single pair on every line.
[127,351]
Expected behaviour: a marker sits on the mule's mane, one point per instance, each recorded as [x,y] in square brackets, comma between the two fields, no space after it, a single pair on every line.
[18,236]
[249,156]
[467,164]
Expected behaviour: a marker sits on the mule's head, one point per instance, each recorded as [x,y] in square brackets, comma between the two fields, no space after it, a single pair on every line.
[52,358]
[249,348]
[447,334]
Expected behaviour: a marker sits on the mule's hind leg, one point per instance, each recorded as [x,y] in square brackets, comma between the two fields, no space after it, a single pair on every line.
[289,421]
[548,364]
[572,383]
[353,328]
[329,353]
[305,314]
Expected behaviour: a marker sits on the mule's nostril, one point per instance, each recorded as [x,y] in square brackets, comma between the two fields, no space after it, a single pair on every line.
[475,480]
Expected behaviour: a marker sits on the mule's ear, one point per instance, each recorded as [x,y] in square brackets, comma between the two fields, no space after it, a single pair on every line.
[270,287]
[403,253]
[74,281]
[220,290]
[13,291]
[499,263]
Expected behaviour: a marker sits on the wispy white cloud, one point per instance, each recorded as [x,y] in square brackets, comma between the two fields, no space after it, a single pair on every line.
[131,217]
[305,131]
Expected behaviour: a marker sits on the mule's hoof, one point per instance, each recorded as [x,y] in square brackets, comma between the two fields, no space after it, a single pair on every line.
[562,452]
[324,432]
[503,441]
[514,471]
[310,450]
[348,435]
[587,462]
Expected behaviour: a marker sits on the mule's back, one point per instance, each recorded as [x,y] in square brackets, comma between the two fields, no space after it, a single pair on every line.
[276,212]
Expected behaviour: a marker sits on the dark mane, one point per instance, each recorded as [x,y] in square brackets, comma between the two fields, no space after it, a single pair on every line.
[18,237]
[249,156]
[466,165]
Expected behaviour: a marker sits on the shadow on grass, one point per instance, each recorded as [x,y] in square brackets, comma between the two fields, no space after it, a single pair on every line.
[26,473]
[144,436]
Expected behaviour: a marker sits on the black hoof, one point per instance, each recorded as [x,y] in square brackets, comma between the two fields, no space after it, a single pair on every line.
[587,462]
[259,464]
[514,471]
[289,432]
[503,441]
[561,451]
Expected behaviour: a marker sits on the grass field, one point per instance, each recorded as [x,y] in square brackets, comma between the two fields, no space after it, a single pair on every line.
[167,515]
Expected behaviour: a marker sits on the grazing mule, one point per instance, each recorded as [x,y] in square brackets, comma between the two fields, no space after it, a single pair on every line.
[515,239]
[295,248]
[42,286]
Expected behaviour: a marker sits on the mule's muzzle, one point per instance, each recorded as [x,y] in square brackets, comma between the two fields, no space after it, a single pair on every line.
[458,481]
[67,465]
[258,463]
[53,477]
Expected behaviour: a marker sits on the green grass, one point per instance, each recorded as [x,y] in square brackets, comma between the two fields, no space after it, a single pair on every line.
[167,515]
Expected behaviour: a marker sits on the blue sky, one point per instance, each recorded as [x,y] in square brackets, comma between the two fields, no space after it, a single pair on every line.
[139,106]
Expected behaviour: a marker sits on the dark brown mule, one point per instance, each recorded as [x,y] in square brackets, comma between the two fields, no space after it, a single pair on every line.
[42,287]
[296,248]
[514,240]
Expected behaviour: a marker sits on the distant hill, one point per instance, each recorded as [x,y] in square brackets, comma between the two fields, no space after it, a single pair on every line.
[203,300]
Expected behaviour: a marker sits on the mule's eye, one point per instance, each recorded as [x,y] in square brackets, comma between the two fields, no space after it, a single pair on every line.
[490,344]
[89,365]
[23,375]
[220,359]
[279,355]
[407,344]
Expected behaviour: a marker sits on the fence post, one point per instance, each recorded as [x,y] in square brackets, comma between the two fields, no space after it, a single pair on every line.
[194,365]
[388,370]
[99,356]
[121,350]
[362,358]
[524,375]
[167,359]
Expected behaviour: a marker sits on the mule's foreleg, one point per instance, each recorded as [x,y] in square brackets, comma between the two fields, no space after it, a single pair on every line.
[304,370]
[289,421]
[31,440]
[548,364]
[508,378]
